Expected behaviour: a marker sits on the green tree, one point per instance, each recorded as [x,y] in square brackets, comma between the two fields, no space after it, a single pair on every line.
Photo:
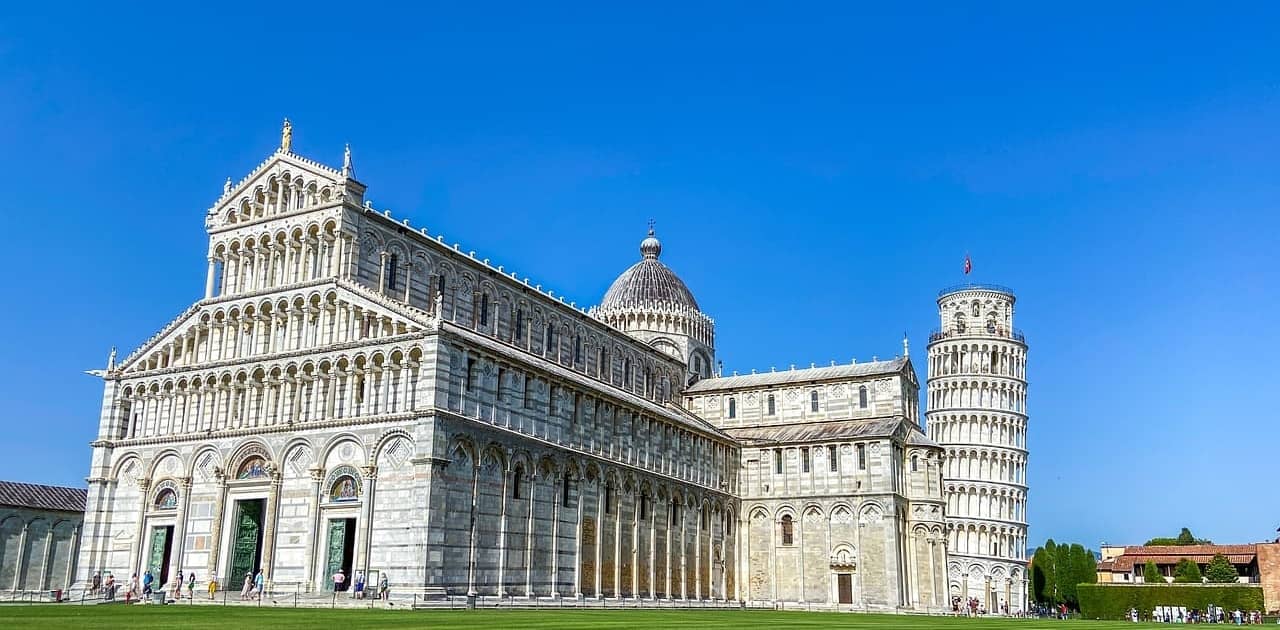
[1084,570]
[1187,572]
[1044,575]
[1184,537]
[1062,574]
[1221,571]
[1151,573]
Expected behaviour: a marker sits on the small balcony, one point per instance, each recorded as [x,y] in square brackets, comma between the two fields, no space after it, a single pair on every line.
[989,330]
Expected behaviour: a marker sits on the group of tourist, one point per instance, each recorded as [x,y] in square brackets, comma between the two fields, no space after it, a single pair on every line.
[358,585]
[146,587]
[254,584]
[1214,614]
[972,607]
[252,589]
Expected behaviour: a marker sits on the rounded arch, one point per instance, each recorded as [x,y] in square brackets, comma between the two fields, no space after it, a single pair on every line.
[154,470]
[336,441]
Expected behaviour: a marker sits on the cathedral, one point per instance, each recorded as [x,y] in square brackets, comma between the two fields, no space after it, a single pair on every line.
[353,394]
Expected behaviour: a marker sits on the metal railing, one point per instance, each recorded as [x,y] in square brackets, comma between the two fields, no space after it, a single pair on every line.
[980,286]
[978,331]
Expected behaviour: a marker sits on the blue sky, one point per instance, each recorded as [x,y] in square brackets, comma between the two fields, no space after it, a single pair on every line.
[816,175]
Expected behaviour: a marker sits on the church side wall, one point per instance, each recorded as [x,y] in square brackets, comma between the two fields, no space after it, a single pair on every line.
[37,549]
[614,511]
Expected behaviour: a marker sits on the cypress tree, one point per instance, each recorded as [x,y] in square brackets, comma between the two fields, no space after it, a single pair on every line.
[1151,573]
[1221,571]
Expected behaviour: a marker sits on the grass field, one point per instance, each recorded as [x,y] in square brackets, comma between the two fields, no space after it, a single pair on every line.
[57,617]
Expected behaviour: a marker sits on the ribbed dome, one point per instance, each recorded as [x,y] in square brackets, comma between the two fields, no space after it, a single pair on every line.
[648,283]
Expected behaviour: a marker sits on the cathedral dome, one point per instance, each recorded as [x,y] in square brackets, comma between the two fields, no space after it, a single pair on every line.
[648,283]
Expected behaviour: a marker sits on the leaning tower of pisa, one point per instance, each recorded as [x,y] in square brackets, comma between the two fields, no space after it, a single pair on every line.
[977,410]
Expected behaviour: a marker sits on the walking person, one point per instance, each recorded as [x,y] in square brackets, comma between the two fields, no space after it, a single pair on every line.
[359,590]
[247,587]
[109,593]
[133,589]
[213,585]
[95,583]
[177,586]
[191,586]
[339,579]
[259,583]
[384,590]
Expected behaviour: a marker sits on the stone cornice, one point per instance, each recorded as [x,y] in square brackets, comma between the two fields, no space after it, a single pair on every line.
[335,423]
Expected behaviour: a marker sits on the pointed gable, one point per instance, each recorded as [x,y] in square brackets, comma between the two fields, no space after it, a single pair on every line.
[170,348]
[282,184]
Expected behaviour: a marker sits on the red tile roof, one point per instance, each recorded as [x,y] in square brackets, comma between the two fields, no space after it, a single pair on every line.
[1171,554]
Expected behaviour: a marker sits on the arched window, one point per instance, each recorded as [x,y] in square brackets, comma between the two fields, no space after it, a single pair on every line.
[862,397]
[975,308]
[515,482]
[252,468]
[548,338]
[167,499]
[915,463]
[959,322]
[626,373]
[483,315]
[577,349]
[771,406]
[733,408]
[813,401]
[344,488]
[392,266]
[697,364]
[519,325]
[787,530]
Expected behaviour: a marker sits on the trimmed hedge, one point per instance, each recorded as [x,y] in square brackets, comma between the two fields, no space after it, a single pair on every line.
[1113,601]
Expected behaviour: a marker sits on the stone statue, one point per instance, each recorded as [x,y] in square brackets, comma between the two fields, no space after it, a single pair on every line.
[226,186]
[347,170]
[286,136]
[439,306]
[111,359]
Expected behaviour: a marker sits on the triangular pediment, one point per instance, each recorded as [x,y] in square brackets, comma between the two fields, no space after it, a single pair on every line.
[168,349]
[283,183]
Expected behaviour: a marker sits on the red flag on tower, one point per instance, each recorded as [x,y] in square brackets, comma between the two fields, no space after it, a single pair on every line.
[968,265]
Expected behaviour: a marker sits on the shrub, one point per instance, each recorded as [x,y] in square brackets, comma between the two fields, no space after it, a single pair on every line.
[1113,601]
[1151,573]
[1187,572]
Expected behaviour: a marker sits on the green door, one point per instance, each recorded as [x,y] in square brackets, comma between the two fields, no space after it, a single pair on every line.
[247,543]
[156,560]
[337,549]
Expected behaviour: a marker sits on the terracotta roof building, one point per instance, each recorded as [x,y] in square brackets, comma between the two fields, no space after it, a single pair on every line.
[1125,564]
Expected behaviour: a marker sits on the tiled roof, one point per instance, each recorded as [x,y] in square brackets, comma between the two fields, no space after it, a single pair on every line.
[648,284]
[38,497]
[849,370]
[918,438]
[1170,554]
[818,431]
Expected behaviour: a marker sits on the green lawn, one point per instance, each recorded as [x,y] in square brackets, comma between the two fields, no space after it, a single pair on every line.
[55,617]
